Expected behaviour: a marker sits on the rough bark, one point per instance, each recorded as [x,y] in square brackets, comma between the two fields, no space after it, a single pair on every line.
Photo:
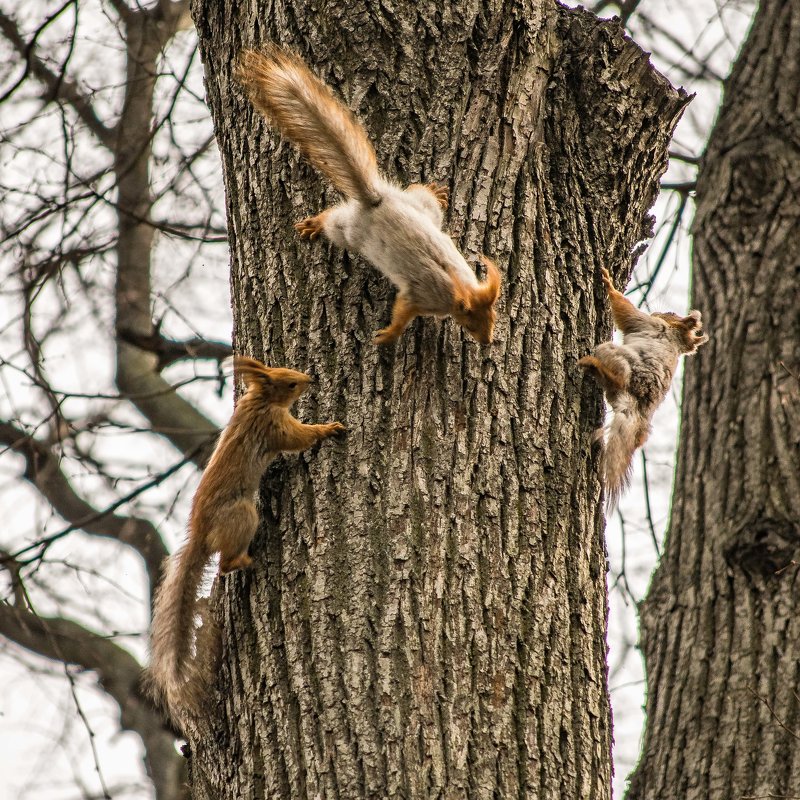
[426,617]
[721,624]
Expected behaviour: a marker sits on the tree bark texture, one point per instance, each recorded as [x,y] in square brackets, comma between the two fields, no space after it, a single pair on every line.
[721,624]
[426,616]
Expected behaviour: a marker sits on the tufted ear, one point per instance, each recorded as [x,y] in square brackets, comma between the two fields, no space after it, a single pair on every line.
[462,306]
[490,288]
[250,370]
[693,320]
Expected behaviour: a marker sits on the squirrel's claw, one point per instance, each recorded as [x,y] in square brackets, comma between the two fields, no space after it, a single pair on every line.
[309,228]
[441,193]
[606,277]
[336,429]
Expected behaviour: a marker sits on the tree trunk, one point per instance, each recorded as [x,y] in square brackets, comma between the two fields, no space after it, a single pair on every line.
[721,624]
[426,616]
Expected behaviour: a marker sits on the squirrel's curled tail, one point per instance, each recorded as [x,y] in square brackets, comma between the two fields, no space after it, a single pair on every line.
[627,431]
[305,111]
[177,677]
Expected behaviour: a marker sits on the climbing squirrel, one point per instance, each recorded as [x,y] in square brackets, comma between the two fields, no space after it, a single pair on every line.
[223,520]
[397,230]
[636,376]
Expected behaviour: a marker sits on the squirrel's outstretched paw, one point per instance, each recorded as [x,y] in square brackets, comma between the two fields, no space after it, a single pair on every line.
[607,279]
[441,193]
[335,429]
[310,227]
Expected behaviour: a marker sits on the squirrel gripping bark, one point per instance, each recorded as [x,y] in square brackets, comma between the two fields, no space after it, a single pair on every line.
[399,231]
[636,377]
[223,520]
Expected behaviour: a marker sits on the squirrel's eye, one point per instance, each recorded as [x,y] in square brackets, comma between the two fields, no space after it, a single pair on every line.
[292,385]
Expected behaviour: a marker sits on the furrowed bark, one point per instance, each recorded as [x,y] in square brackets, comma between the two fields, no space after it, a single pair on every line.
[426,616]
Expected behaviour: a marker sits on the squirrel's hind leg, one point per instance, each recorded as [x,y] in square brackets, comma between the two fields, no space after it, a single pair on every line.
[311,227]
[232,533]
[339,224]
[610,367]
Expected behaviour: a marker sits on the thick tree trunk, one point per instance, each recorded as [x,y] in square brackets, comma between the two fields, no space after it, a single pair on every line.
[721,624]
[426,617]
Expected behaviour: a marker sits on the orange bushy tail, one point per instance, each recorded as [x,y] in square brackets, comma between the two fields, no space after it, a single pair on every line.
[175,677]
[305,111]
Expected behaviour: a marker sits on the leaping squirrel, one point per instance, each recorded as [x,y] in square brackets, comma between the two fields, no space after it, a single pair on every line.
[398,231]
[636,377]
[223,520]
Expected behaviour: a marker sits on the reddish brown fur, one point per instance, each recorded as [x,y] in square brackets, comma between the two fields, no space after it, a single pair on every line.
[474,308]
[609,378]
[223,520]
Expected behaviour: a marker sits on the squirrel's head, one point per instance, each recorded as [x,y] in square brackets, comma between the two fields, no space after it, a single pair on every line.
[474,310]
[276,385]
[687,332]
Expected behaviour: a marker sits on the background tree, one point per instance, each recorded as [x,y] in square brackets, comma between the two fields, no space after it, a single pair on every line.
[694,44]
[720,625]
[426,615]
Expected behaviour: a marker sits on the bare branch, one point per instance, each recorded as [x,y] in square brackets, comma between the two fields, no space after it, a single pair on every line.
[682,187]
[59,87]
[43,471]
[687,159]
[118,673]
[169,350]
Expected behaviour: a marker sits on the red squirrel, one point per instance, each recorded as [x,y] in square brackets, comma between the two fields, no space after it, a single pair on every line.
[397,230]
[223,520]
[636,377]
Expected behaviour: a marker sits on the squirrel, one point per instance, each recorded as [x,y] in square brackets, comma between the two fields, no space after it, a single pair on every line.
[223,520]
[636,376]
[399,231]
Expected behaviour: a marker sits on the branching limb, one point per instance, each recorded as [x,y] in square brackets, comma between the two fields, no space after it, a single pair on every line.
[118,673]
[169,350]
[42,470]
[59,87]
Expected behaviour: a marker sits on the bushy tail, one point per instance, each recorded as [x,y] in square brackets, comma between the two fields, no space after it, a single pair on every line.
[628,431]
[305,111]
[182,654]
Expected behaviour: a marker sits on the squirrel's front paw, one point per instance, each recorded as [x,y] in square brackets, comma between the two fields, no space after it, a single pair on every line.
[309,228]
[607,279]
[335,429]
[441,193]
